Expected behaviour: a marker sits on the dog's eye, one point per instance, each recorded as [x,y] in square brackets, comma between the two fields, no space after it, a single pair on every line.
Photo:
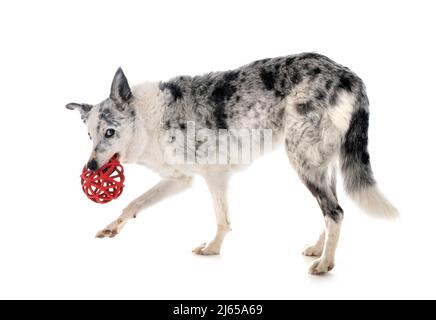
[109,133]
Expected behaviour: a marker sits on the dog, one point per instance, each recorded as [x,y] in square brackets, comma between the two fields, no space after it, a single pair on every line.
[316,108]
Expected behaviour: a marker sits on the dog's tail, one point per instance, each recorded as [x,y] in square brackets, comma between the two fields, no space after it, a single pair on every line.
[356,169]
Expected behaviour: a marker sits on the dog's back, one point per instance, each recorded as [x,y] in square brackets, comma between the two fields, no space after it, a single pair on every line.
[256,95]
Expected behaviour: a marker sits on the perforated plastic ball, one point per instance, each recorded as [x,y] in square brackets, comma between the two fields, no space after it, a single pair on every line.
[104,184]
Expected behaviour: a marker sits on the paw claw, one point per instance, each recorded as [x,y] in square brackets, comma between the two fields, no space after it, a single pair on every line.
[312,251]
[198,249]
[205,250]
[321,266]
[106,233]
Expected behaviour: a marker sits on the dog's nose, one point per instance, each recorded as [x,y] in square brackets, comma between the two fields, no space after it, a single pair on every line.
[92,165]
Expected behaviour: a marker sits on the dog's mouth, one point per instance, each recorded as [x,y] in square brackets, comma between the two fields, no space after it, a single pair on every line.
[115,157]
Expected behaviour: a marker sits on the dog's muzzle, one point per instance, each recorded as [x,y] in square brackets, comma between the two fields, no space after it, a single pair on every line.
[92,165]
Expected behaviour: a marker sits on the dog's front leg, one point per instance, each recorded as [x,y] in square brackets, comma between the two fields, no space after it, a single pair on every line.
[217,184]
[165,188]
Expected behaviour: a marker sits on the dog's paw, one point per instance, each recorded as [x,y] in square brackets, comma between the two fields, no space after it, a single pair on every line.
[111,230]
[106,233]
[206,250]
[321,266]
[312,251]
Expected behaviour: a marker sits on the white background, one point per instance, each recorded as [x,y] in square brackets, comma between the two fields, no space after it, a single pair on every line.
[55,52]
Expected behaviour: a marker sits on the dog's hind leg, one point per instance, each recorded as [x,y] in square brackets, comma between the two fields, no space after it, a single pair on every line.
[312,144]
[217,183]
[165,188]
[333,215]
[316,249]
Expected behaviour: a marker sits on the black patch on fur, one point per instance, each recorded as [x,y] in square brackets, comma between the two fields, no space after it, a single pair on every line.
[313,188]
[304,108]
[365,157]
[356,139]
[314,72]
[222,92]
[182,126]
[328,84]
[173,88]
[86,107]
[220,117]
[328,206]
[345,82]
[289,61]
[333,211]
[268,79]
[258,62]
[354,153]
[107,116]
[320,94]
[231,75]
[296,77]
[238,98]
[208,124]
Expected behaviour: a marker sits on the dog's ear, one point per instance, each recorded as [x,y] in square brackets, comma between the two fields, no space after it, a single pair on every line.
[120,90]
[82,107]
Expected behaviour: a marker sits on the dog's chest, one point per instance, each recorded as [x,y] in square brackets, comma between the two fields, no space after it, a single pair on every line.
[152,157]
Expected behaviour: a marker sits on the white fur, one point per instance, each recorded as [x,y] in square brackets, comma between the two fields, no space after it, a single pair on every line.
[163,189]
[316,249]
[340,115]
[374,203]
[146,147]
[327,260]
[217,183]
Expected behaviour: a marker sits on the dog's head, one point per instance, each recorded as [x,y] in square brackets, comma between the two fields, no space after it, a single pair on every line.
[110,123]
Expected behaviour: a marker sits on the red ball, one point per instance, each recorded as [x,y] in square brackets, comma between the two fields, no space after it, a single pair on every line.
[104,184]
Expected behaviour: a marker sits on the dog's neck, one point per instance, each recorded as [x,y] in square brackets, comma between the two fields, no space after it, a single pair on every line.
[149,104]
[144,147]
